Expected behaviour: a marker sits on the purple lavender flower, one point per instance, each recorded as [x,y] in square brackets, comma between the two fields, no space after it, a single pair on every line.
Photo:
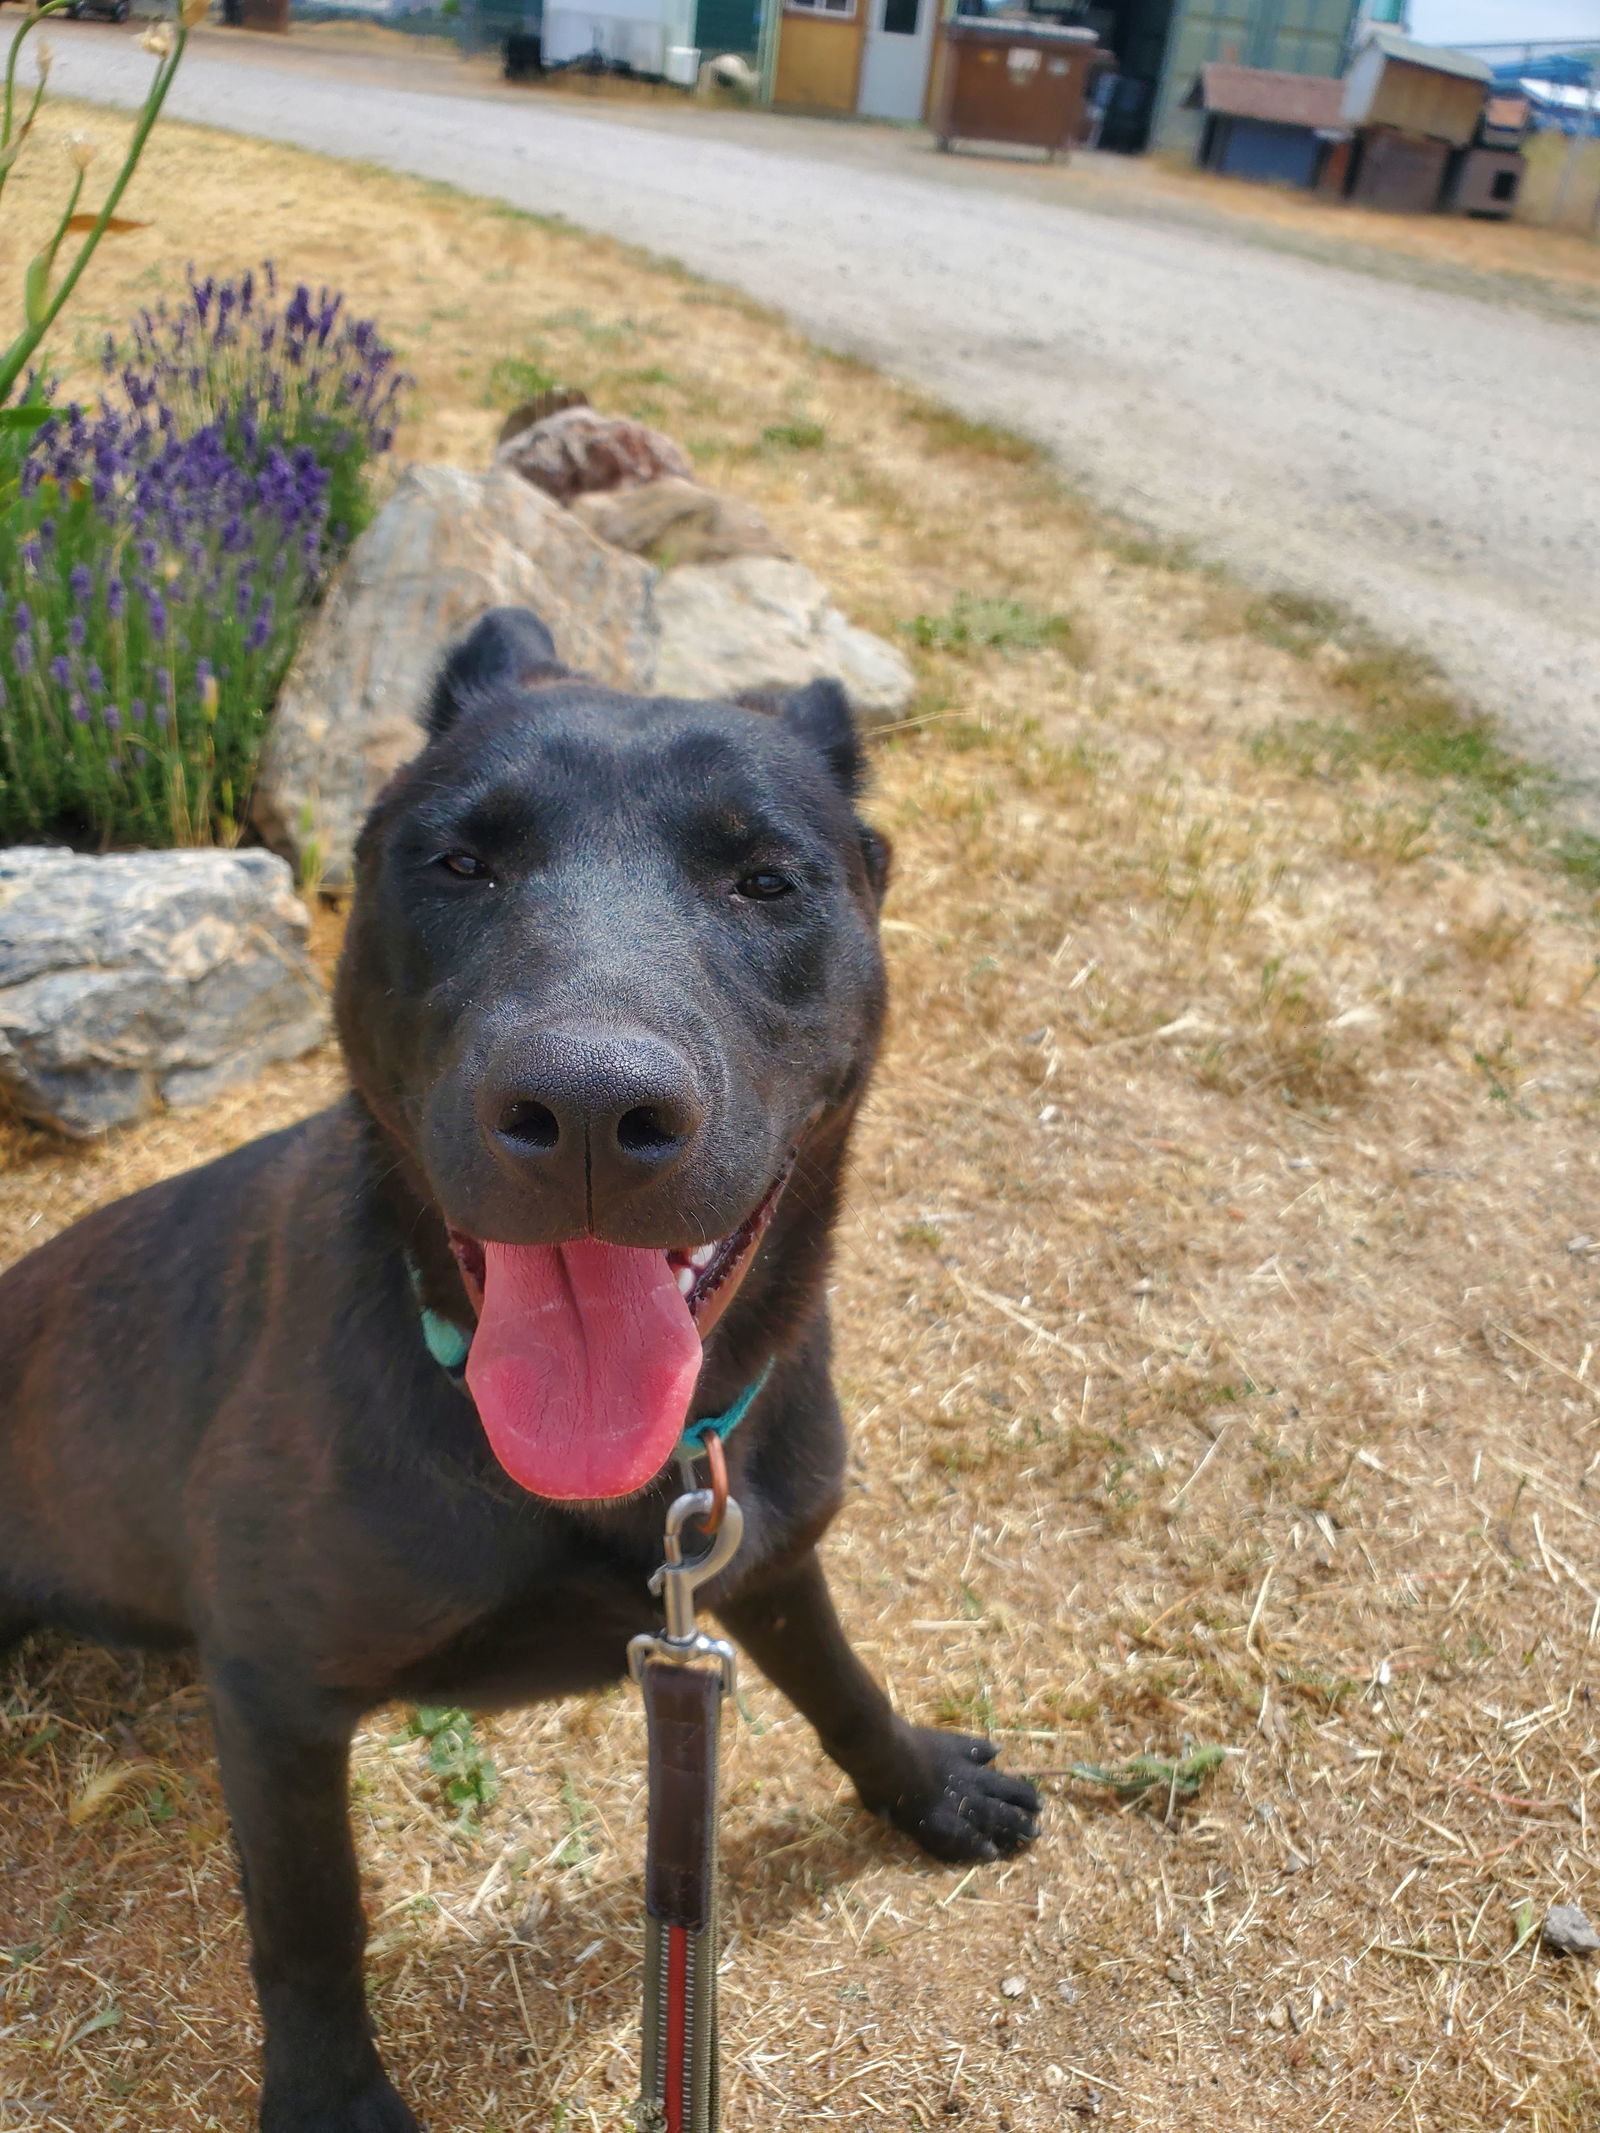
[61,670]
[156,609]
[116,598]
[81,581]
[113,718]
[22,618]
[77,631]
[79,710]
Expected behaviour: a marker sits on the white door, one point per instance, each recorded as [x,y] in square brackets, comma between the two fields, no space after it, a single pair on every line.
[894,64]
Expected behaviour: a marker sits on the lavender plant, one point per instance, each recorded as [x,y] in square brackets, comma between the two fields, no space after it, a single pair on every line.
[148,611]
[157,559]
[298,371]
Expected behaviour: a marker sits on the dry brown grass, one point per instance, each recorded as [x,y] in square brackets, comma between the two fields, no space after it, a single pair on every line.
[1216,1321]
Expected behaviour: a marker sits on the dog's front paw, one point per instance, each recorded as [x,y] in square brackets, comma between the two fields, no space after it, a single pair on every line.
[955,1803]
[377,2107]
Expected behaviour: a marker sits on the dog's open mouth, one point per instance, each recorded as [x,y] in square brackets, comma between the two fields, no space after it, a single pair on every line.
[586,1354]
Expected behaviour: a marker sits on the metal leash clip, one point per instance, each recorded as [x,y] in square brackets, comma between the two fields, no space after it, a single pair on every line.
[676,1583]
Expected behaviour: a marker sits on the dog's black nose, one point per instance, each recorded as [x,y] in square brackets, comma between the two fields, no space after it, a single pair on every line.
[620,1102]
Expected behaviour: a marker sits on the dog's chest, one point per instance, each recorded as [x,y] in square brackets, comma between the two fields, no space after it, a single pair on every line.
[564,1631]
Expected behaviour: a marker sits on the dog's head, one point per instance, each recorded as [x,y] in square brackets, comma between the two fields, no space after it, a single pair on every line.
[612,969]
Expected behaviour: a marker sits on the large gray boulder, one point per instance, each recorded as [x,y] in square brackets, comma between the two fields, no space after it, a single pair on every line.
[146,978]
[446,546]
[449,545]
[763,622]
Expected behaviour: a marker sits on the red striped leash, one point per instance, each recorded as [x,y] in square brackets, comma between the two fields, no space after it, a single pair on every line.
[685,1676]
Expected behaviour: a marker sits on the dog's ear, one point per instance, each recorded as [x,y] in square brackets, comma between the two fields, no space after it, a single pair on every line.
[509,648]
[819,714]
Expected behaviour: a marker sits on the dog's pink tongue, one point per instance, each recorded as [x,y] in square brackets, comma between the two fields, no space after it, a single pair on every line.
[583,1366]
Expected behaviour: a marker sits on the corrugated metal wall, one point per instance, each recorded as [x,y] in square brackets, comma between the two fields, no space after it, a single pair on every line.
[1298,36]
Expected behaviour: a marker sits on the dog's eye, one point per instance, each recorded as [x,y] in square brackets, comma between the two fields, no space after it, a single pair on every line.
[764,887]
[466,866]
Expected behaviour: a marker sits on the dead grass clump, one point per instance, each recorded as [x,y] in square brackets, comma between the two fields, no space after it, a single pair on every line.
[1214,1307]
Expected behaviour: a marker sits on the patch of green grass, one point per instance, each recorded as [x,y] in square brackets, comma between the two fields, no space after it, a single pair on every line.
[1578,854]
[1149,551]
[800,434]
[513,379]
[982,625]
[1404,716]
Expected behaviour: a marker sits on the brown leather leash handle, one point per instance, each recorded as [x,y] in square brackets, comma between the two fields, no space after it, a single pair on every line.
[682,1707]
[679,2088]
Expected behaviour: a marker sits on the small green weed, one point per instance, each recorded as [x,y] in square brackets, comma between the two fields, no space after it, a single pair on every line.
[579,1847]
[1147,1775]
[466,1772]
[983,625]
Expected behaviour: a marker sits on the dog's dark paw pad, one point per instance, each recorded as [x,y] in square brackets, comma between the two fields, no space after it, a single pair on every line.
[961,1809]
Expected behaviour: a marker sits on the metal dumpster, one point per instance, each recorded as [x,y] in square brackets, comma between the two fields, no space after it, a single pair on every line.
[1017,81]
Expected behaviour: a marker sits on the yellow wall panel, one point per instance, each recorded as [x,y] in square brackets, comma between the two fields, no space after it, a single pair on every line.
[818,63]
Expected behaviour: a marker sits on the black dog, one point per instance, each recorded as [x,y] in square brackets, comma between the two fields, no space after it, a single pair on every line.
[610,997]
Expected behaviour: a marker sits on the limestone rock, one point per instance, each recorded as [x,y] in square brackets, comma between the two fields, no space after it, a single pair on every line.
[146,978]
[579,451]
[760,622]
[447,546]
[674,521]
[1567,1931]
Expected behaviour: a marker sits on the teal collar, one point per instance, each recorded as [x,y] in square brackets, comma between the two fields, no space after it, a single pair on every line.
[693,1440]
[450,1347]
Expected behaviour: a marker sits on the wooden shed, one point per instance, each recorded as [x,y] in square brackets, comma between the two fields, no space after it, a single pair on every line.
[1264,124]
[1403,173]
[1416,89]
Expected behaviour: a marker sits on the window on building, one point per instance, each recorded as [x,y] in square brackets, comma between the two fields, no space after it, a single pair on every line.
[840,9]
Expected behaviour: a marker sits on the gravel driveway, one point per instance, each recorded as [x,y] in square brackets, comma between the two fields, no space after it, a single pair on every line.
[1432,459]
